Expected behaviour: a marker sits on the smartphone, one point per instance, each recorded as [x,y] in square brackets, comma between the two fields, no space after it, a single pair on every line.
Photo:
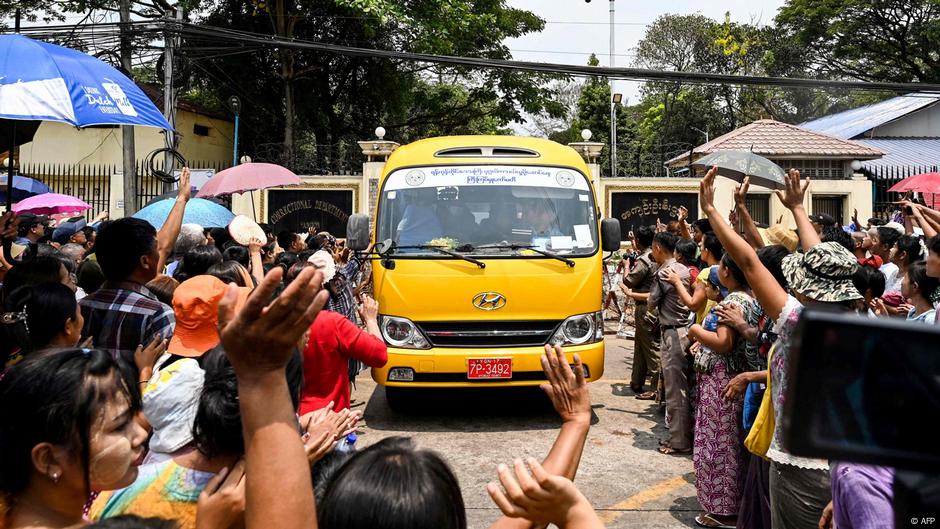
[863,389]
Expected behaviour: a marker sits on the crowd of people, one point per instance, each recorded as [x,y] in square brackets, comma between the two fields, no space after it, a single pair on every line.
[713,335]
[177,378]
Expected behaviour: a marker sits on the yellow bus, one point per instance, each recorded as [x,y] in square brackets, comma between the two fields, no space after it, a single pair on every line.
[486,248]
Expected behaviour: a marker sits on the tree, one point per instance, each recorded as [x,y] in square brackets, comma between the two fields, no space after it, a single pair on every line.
[875,40]
[343,98]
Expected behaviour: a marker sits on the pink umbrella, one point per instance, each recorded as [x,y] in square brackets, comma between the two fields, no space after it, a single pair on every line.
[50,204]
[248,177]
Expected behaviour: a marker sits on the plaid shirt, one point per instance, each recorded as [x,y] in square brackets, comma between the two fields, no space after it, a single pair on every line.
[121,316]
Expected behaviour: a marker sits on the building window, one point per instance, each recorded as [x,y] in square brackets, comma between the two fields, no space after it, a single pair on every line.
[819,169]
[759,207]
[200,130]
[831,205]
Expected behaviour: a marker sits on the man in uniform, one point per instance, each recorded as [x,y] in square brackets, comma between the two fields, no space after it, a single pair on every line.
[636,285]
[674,322]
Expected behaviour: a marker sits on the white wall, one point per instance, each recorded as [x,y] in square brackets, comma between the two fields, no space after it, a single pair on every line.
[923,123]
[857,193]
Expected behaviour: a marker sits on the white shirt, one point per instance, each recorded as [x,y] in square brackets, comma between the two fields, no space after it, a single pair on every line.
[892,277]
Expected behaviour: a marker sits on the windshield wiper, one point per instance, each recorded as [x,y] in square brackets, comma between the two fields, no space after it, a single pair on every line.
[532,247]
[439,249]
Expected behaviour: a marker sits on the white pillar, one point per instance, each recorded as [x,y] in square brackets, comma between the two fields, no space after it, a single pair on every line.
[116,195]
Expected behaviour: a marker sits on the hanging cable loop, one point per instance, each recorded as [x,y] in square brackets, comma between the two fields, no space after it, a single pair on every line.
[162,174]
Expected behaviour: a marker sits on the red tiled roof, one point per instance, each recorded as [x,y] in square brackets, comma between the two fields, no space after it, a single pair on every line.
[773,139]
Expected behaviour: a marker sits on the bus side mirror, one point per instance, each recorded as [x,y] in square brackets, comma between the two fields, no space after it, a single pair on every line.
[610,235]
[357,232]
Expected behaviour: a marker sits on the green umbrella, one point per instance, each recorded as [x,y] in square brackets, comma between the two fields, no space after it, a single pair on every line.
[738,164]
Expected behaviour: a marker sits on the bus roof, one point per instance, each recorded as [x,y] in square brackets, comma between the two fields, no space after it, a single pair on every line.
[478,150]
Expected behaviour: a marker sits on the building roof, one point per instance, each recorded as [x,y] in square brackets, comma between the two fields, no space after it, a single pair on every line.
[155,94]
[857,121]
[777,140]
[904,152]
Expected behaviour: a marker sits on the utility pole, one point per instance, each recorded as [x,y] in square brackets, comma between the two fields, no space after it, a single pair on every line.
[127,131]
[169,93]
[613,106]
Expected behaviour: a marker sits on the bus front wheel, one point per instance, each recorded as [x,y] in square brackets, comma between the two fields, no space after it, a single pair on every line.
[399,399]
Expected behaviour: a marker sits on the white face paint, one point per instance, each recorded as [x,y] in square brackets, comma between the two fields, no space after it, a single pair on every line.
[115,446]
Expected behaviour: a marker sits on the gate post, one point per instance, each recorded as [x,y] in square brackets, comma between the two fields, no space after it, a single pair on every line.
[376,152]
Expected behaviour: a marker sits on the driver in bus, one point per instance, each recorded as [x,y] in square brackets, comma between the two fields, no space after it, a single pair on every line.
[419,223]
[541,220]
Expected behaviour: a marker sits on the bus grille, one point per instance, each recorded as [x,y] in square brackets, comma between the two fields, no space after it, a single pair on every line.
[489,333]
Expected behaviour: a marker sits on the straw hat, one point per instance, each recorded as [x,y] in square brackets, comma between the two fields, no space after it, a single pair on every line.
[243,229]
[777,234]
[324,262]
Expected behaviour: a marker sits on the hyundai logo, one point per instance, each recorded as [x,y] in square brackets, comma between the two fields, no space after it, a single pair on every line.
[489,301]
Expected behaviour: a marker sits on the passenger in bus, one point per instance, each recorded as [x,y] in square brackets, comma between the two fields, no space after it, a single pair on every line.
[496,227]
[456,218]
[419,224]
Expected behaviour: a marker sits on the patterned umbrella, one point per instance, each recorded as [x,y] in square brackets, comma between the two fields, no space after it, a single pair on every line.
[738,164]
[23,187]
[198,211]
[248,177]
[50,204]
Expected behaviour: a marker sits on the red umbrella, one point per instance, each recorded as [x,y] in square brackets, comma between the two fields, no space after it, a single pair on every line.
[928,183]
[248,177]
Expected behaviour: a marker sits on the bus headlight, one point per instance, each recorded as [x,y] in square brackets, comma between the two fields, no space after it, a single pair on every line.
[580,329]
[401,332]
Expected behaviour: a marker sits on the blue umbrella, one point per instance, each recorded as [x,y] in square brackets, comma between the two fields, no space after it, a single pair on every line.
[205,213]
[23,187]
[42,81]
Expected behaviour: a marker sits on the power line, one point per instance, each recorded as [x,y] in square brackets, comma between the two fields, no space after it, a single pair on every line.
[216,34]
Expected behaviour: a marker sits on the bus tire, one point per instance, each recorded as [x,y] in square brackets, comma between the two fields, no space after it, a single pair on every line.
[399,399]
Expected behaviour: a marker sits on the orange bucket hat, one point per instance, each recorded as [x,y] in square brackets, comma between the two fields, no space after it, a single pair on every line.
[196,307]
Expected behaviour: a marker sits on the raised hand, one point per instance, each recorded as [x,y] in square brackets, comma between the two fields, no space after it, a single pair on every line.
[146,357]
[254,245]
[185,190]
[683,213]
[541,497]
[260,338]
[221,503]
[794,190]
[567,389]
[706,189]
[369,310]
[740,192]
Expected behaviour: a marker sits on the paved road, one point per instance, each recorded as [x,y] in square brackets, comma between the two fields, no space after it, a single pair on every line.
[626,479]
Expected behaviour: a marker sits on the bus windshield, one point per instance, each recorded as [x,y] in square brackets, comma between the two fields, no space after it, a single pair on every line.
[488,210]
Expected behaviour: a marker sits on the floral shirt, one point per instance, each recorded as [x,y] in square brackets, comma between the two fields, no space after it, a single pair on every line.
[779,361]
[746,355]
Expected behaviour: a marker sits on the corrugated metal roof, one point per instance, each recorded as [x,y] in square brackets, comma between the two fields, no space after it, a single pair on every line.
[851,123]
[774,139]
[903,152]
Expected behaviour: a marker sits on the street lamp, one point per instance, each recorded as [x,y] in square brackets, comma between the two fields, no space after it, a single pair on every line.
[235,104]
[614,103]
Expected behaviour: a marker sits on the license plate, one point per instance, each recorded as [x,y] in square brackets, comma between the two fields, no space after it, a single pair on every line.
[489,368]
